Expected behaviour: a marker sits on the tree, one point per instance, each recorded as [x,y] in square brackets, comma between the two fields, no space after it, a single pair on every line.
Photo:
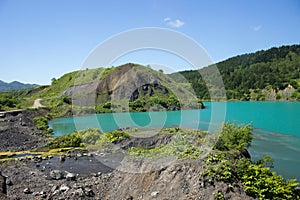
[53,81]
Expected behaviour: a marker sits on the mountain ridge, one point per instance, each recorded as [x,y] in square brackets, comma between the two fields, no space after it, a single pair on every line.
[14,85]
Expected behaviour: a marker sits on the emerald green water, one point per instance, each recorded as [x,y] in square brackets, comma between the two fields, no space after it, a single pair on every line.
[276,126]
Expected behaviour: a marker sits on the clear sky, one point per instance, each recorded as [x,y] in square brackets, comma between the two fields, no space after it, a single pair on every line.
[40,40]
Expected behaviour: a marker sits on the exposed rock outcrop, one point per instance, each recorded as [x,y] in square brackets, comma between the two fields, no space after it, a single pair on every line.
[126,82]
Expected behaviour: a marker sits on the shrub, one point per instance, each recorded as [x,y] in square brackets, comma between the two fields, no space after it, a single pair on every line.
[90,136]
[257,178]
[219,168]
[116,135]
[261,183]
[190,152]
[63,141]
[234,137]
[219,196]
[41,123]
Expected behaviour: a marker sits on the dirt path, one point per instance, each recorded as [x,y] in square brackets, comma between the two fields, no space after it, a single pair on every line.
[37,103]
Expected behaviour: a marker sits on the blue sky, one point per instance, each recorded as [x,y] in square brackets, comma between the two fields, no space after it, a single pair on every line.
[40,40]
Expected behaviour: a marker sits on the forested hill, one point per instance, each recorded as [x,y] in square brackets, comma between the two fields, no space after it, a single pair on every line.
[272,74]
[15,85]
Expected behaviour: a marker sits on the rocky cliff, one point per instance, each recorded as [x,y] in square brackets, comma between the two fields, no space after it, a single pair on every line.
[128,83]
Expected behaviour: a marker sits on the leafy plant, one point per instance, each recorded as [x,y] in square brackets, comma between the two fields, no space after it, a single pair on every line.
[219,168]
[234,137]
[190,152]
[116,135]
[219,196]
[63,141]
[41,123]
[259,181]
[90,136]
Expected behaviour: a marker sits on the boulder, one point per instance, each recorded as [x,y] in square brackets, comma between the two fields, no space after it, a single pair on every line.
[89,192]
[27,191]
[154,194]
[71,177]
[56,174]
[62,159]
[64,188]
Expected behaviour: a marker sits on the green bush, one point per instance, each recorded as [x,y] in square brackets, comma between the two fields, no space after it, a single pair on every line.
[116,135]
[59,106]
[219,196]
[219,168]
[259,181]
[41,123]
[90,136]
[104,108]
[190,152]
[11,101]
[137,106]
[257,178]
[234,137]
[63,141]
[262,183]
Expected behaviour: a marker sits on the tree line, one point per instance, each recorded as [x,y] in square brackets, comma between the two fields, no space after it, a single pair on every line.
[276,68]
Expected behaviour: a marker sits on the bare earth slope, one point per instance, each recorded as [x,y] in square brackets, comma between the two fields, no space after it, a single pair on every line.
[182,180]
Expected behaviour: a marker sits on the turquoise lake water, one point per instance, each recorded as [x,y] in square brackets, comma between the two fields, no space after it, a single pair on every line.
[276,126]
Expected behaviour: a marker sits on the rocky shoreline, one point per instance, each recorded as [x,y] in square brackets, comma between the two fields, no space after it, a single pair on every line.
[80,174]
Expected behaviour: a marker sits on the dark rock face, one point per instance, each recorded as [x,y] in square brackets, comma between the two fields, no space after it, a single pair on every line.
[3,188]
[148,89]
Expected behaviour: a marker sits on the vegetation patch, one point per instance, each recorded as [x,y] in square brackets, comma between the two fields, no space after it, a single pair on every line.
[255,76]
[10,101]
[225,164]
[63,141]
[116,135]
[88,138]
[41,123]
[184,144]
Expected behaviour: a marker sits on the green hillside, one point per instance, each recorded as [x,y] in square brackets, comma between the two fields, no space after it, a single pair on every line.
[130,87]
[273,74]
[70,79]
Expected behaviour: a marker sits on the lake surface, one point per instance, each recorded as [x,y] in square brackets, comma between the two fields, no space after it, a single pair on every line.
[276,126]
